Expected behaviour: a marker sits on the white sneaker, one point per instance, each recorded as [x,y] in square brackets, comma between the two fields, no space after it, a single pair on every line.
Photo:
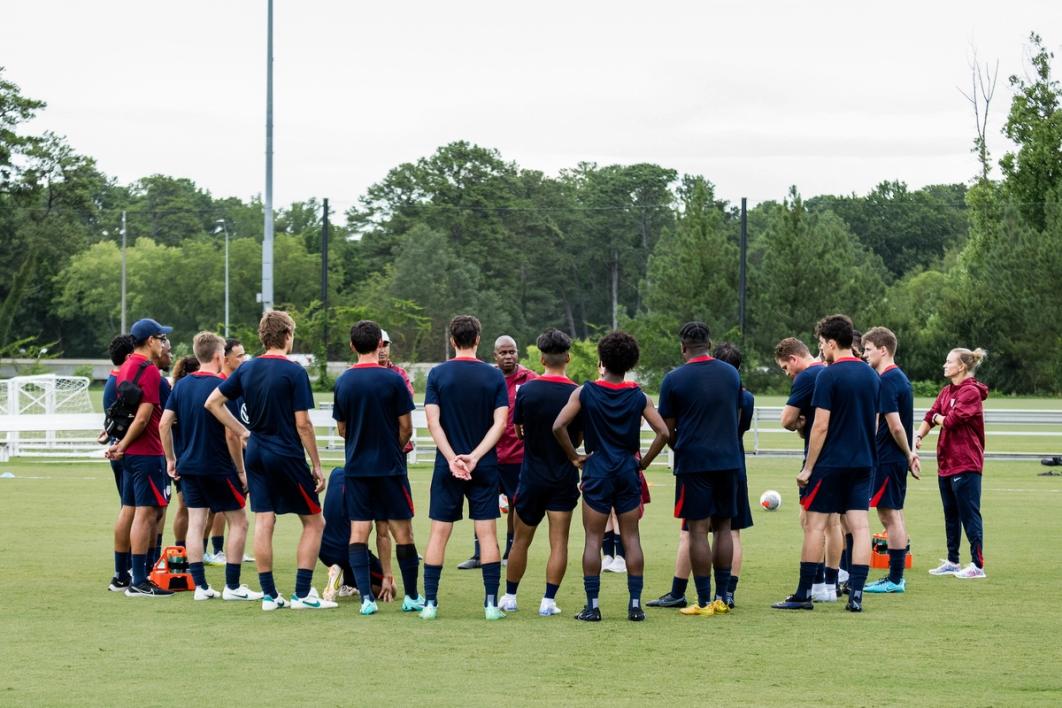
[215,558]
[843,575]
[606,563]
[507,603]
[348,591]
[970,572]
[207,593]
[248,558]
[619,565]
[548,608]
[311,602]
[241,593]
[273,603]
[822,592]
[335,579]
[946,567]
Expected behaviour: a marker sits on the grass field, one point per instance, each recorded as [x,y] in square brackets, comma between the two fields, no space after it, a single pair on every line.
[65,640]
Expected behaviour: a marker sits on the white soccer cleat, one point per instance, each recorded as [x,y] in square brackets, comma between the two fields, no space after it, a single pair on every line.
[311,602]
[241,593]
[348,591]
[548,608]
[248,558]
[215,559]
[842,575]
[946,567]
[618,565]
[606,562]
[823,593]
[335,579]
[507,603]
[273,603]
[971,572]
[207,593]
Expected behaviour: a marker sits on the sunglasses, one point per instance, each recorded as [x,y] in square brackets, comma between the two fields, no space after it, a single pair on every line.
[161,337]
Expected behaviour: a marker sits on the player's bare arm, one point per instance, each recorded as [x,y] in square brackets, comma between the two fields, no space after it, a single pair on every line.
[818,438]
[560,428]
[663,433]
[309,441]
[501,418]
[166,434]
[435,429]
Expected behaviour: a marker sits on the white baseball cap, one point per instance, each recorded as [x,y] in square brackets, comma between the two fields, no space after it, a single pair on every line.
[384,337]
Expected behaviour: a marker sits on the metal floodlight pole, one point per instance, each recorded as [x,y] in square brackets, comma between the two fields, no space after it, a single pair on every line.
[742,267]
[267,241]
[124,318]
[324,273]
[225,228]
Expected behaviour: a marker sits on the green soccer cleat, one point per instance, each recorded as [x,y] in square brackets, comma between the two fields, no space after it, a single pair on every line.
[413,604]
[886,585]
[368,607]
[493,613]
[429,612]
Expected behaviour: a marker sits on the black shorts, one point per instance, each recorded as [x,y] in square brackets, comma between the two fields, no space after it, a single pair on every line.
[448,494]
[890,485]
[509,479]
[743,518]
[835,490]
[280,484]
[119,480]
[535,497]
[144,481]
[706,494]
[378,498]
[621,491]
[219,493]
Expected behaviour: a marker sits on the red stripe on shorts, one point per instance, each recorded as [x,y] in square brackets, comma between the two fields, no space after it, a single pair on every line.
[313,507]
[806,502]
[881,492]
[235,493]
[409,499]
[681,500]
[158,495]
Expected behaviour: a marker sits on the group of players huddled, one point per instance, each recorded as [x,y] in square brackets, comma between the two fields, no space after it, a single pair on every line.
[233,430]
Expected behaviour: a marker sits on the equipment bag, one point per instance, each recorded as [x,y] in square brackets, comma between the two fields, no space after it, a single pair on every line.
[121,413]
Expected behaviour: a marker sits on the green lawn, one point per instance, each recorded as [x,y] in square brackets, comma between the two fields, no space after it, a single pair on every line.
[65,640]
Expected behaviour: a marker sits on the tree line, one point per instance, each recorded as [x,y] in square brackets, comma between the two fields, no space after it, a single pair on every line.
[595,247]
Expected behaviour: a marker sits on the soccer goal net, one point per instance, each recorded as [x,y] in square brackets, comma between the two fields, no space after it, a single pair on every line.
[45,395]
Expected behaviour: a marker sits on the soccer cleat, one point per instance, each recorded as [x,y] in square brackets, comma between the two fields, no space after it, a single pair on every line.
[248,558]
[794,603]
[842,575]
[720,607]
[730,601]
[886,585]
[470,564]
[507,602]
[667,600]
[589,614]
[618,565]
[273,603]
[971,572]
[215,559]
[429,612]
[335,579]
[119,584]
[368,607]
[854,605]
[946,567]
[412,604]
[548,608]
[242,593]
[311,602]
[696,610]
[207,593]
[146,589]
[635,613]
[493,613]
[606,561]
[825,593]
[843,589]
[348,591]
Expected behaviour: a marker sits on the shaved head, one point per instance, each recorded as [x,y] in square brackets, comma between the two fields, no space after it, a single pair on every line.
[503,340]
[505,354]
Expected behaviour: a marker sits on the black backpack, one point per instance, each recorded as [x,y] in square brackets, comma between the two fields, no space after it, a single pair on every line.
[121,413]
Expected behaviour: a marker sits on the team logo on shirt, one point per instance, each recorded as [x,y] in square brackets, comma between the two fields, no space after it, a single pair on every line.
[244,418]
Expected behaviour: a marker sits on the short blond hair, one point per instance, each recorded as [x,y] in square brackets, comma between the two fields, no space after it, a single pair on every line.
[274,327]
[882,338]
[205,345]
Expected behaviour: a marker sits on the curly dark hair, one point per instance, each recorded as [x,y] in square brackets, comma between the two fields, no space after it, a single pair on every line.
[838,328]
[464,329]
[365,335]
[618,351]
[728,352]
[120,348]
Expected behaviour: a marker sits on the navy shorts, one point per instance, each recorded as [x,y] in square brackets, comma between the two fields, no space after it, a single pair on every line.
[378,498]
[743,518]
[448,494]
[835,490]
[706,494]
[219,493]
[280,484]
[621,491]
[144,481]
[535,497]
[509,479]
[119,481]
[890,485]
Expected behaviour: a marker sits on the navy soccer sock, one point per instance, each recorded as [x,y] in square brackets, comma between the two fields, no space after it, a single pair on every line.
[491,580]
[722,581]
[703,583]
[732,588]
[857,580]
[217,543]
[432,573]
[807,579]
[551,591]
[303,578]
[820,573]
[634,588]
[122,564]
[511,586]
[198,575]
[846,555]
[508,543]
[265,581]
[139,563]
[232,576]
[831,576]
[678,586]
[608,546]
[619,546]
[897,558]
[592,586]
[409,566]
[358,553]
[179,542]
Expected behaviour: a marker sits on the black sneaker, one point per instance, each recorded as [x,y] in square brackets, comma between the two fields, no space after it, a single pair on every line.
[794,603]
[589,614]
[667,600]
[635,614]
[470,564]
[842,588]
[147,589]
[1051,461]
[118,584]
[730,601]
[854,605]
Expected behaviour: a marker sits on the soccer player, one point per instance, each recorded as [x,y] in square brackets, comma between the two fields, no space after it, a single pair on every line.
[549,483]
[184,366]
[120,348]
[335,546]
[385,361]
[276,392]
[895,452]
[145,483]
[373,415]
[701,402]
[612,410]
[211,465]
[840,461]
[467,408]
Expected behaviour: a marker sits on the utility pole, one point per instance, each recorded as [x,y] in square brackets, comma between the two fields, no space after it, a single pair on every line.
[125,321]
[324,273]
[267,240]
[742,266]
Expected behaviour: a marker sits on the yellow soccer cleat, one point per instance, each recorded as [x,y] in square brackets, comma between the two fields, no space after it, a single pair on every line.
[719,607]
[695,609]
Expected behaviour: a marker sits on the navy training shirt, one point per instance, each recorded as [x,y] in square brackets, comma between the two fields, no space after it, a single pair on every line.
[336,537]
[198,437]
[612,424]
[467,391]
[848,388]
[273,389]
[370,399]
[896,396]
[703,396]
[538,403]
[800,394]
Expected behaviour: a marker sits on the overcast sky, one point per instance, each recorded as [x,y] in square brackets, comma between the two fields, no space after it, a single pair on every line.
[830,96]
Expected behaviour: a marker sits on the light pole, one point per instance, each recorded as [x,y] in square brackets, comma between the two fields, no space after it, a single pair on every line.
[221,225]
[267,240]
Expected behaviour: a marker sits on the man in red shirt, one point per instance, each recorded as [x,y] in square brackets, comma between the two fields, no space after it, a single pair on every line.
[384,352]
[146,483]
[510,448]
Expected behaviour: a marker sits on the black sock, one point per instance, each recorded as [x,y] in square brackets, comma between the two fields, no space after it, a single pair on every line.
[409,566]
[820,573]
[846,555]
[232,576]
[857,580]
[179,542]
[303,579]
[592,586]
[198,575]
[432,575]
[807,579]
[831,576]
[897,558]
[634,588]
[733,584]
[608,546]
[358,553]
[551,591]
[218,544]
[703,584]
[491,581]
[619,546]
[511,586]
[722,581]
[265,581]
[508,544]
[678,586]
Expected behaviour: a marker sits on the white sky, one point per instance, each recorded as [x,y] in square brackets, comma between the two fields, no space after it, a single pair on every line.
[830,96]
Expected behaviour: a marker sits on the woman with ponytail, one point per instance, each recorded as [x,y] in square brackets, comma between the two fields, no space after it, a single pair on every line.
[959,411]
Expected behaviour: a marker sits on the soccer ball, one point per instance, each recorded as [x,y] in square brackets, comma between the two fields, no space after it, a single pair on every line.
[770,500]
[503,504]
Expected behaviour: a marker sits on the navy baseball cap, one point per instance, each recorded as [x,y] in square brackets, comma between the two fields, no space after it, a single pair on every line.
[143,329]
